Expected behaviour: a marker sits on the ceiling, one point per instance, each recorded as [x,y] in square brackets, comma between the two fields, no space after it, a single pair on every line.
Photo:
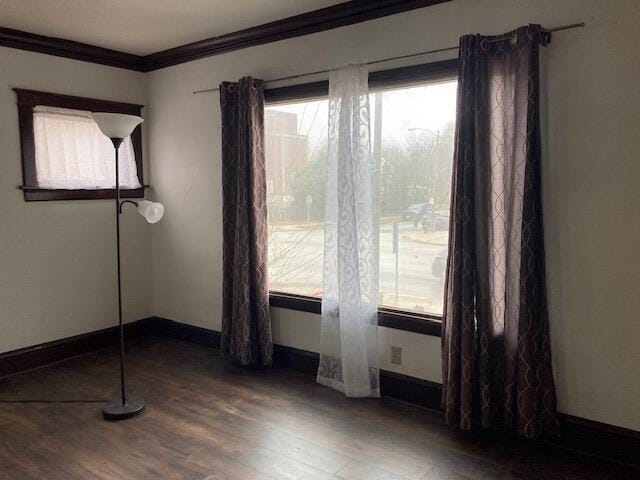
[142,27]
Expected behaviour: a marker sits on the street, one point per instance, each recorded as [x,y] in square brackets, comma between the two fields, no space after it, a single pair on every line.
[295,264]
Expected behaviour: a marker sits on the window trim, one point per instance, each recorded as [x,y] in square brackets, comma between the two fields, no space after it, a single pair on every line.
[427,324]
[382,79]
[27,100]
[424,323]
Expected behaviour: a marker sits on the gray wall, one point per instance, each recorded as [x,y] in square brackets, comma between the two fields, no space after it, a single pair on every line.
[57,259]
[590,116]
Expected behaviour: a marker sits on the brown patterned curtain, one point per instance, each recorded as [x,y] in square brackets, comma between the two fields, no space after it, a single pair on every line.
[495,341]
[246,326]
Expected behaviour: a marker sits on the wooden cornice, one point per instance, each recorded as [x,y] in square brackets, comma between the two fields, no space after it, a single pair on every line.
[69,49]
[339,15]
[342,14]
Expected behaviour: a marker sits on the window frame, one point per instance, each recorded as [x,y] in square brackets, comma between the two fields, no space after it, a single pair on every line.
[446,70]
[27,100]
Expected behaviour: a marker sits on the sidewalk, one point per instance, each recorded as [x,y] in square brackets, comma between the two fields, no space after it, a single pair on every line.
[430,238]
[297,226]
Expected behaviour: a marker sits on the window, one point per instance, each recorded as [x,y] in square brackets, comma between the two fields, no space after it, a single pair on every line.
[412,134]
[72,153]
[64,154]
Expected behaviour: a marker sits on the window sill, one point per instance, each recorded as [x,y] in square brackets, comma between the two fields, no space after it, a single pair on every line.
[42,194]
[387,317]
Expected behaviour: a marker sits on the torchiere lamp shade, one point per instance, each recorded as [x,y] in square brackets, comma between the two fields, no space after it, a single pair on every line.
[116,125]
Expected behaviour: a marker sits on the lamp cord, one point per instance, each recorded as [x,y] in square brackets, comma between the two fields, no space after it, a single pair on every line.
[54,401]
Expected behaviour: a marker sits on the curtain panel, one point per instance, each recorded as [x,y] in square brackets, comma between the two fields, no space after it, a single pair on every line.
[348,342]
[72,153]
[495,343]
[246,325]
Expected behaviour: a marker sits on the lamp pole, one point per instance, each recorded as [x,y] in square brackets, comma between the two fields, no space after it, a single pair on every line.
[117,127]
[126,407]
[123,389]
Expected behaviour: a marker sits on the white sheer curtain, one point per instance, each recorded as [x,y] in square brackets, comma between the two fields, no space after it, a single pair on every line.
[348,348]
[72,153]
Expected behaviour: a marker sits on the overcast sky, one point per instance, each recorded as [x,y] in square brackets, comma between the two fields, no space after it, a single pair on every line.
[430,107]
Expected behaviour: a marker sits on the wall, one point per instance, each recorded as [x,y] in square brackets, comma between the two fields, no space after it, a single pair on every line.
[591,110]
[57,259]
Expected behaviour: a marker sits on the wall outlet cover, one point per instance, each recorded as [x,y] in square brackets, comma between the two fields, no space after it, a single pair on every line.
[396,355]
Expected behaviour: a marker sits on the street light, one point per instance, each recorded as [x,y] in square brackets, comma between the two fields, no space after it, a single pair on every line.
[436,133]
[436,145]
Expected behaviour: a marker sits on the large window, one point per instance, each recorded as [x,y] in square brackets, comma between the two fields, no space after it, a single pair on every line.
[412,142]
[64,154]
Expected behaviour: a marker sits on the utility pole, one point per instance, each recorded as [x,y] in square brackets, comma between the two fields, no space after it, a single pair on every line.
[377,159]
[436,146]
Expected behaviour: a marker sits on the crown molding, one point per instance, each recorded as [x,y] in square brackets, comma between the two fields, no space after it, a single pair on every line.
[340,15]
[60,47]
[335,16]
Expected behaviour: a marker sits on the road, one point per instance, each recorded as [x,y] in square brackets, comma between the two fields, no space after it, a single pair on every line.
[295,265]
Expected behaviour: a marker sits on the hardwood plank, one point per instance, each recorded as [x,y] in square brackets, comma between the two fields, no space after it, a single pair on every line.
[225,468]
[365,471]
[325,459]
[206,419]
[276,465]
[442,474]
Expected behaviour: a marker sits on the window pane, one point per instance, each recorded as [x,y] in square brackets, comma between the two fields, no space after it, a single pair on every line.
[296,155]
[72,153]
[412,136]
[412,143]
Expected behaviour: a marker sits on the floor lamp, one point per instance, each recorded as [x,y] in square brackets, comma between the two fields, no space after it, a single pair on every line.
[117,127]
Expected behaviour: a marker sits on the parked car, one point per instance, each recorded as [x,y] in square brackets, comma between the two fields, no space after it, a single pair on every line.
[414,211]
[439,264]
[435,221]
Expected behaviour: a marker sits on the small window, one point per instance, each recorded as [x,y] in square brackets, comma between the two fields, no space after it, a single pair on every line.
[73,154]
[412,134]
[64,154]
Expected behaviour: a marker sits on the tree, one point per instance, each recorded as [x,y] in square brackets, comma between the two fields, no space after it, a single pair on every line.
[417,170]
[310,180]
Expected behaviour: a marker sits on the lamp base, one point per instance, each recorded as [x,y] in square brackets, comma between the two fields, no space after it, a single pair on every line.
[117,411]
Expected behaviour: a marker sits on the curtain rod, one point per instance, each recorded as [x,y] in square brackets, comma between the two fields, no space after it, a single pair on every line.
[401,57]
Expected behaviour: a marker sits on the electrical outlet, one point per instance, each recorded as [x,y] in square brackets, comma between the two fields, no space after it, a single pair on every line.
[396,355]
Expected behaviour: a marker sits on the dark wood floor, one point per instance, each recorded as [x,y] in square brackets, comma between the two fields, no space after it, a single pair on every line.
[208,420]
